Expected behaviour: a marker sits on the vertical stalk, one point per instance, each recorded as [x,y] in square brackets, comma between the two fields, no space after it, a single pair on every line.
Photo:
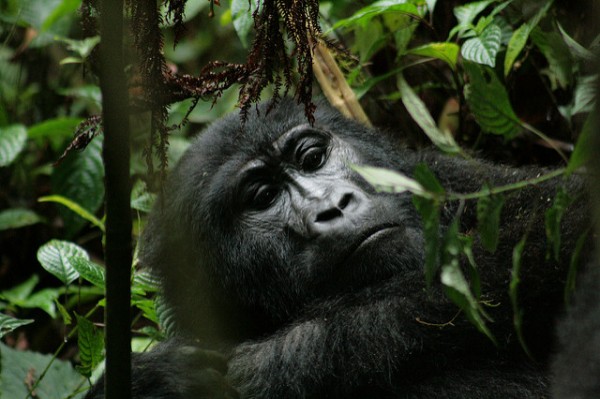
[118,214]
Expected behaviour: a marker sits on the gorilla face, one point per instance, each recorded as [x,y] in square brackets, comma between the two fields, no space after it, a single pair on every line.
[283,220]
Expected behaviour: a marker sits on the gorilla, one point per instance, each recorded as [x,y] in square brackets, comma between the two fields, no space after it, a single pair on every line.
[288,276]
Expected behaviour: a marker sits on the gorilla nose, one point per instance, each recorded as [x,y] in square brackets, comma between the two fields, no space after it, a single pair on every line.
[332,218]
[335,211]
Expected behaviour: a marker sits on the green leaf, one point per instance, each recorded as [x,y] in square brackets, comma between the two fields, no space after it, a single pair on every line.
[577,49]
[584,149]
[57,257]
[553,218]
[520,36]
[466,14]
[363,16]
[427,179]
[571,282]
[489,101]
[12,142]
[418,111]
[489,208]
[558,55]
[447,52]
[76,208]
[9,324]
[66,9]
[44,300]
[147,307]
[429,210]
[21,292]
[389,181]
[91,346]
[457,289]
[18,217]
[18,366]
[241,11]
[80,178]
[141,199]
[584,97]
[483,48]
[513,290]
[90,271]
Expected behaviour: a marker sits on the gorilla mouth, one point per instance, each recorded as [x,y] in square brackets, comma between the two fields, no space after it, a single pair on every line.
[371,235]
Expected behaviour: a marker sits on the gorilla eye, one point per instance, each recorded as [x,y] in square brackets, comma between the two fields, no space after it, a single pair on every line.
[263,197]
[312,158]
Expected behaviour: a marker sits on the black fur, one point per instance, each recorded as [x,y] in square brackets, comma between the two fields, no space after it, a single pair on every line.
[302,310]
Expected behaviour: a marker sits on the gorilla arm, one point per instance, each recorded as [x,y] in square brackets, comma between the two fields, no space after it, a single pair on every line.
[375,342]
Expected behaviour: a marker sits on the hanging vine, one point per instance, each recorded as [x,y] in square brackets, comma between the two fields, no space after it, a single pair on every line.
[270,61]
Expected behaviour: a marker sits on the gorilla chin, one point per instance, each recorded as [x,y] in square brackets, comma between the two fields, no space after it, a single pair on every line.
[275,254]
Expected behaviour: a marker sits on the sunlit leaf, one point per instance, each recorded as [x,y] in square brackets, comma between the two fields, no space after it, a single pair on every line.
[419,112]
[89,271]
[483,48]
[76,208]
[57,258]
[389,181]
[457,289]
[364,15]
[466,14]
[9,324]
[12,142]
[447,52]
[520,37]
[241,12]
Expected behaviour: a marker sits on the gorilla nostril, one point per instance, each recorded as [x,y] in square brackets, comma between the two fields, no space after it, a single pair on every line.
[328,215]
[345,200]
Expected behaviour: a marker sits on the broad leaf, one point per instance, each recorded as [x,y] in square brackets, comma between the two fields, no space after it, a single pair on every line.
[457,289]
[80,178]
[520,37]
[89,271]
[558,55]
[57,257]
[18,217]
[483,48]
[90,341]
[489,101]
[12,142]
[419,112]
[389,181]
[60,380]
[241,12]
[363,16]
[9,324]
[447,52]
[466,14]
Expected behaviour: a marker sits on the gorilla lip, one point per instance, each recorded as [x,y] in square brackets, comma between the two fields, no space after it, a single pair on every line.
[371,235]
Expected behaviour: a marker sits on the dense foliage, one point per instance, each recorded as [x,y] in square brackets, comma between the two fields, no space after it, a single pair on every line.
[512,80]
